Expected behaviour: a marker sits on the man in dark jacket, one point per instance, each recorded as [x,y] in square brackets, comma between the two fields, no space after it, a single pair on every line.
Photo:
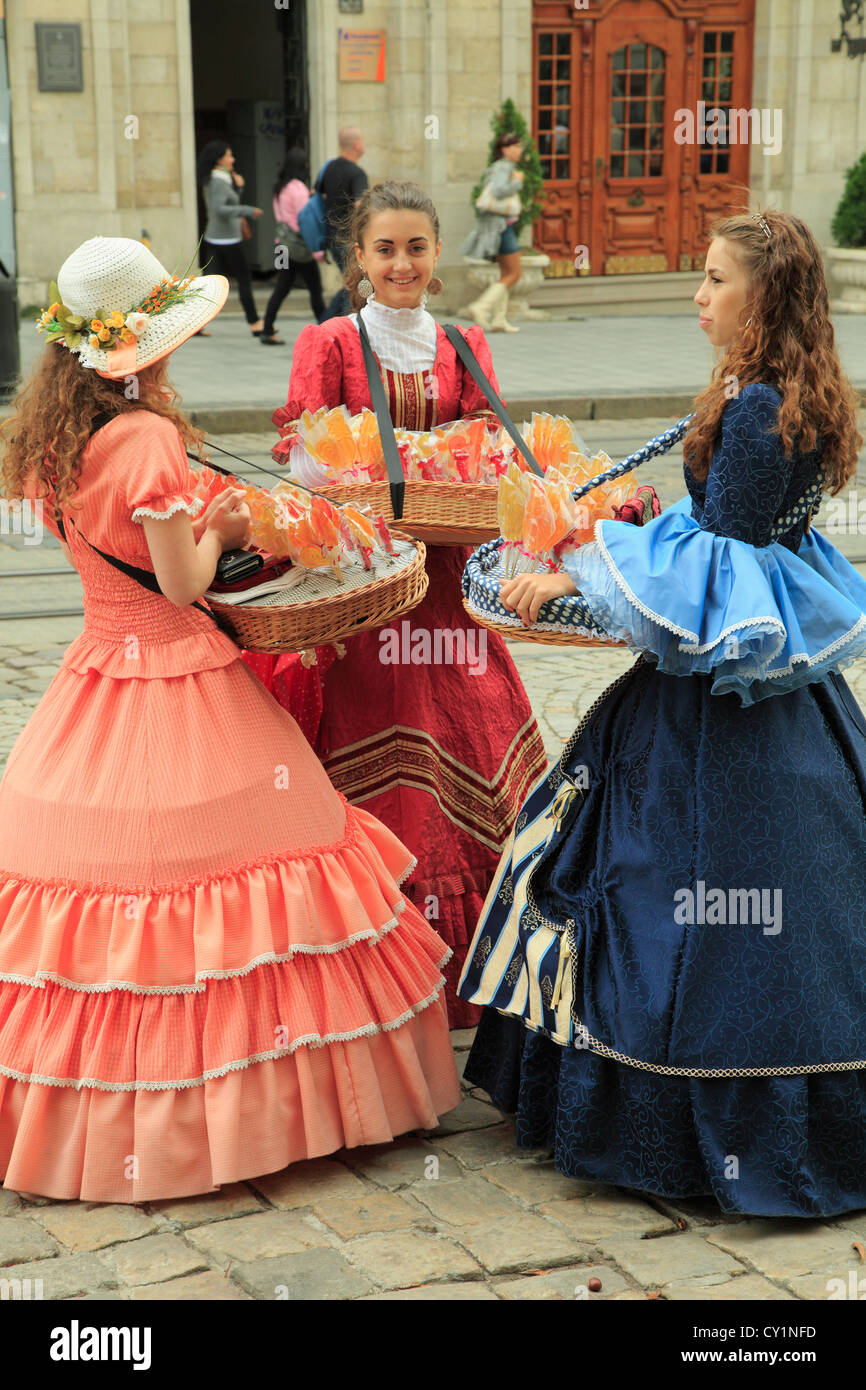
[341,186]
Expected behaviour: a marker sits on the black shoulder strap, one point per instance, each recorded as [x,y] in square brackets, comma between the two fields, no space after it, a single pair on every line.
[473,366]
[386,425]
[143,577]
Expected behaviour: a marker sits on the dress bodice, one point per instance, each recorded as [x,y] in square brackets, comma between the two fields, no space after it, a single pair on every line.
[328,370]
[134,467]
[751,482]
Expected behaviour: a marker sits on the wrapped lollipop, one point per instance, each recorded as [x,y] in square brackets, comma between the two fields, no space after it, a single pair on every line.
[331,442]
[511,504]
[539,526]
[368,443]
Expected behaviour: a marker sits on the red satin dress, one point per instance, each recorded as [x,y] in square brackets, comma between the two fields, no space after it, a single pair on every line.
[443,753]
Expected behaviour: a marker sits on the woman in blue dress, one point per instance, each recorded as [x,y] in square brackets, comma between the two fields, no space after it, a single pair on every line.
[674,945]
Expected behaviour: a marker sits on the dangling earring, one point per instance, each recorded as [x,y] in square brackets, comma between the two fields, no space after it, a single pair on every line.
[365,286]
[435,286]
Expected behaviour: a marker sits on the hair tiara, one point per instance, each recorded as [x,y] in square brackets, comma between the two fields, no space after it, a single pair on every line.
[762,223]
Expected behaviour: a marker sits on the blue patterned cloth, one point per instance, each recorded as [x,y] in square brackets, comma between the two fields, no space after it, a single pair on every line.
[674,947]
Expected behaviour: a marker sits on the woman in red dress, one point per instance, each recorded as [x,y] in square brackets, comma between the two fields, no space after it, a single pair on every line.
[442,753]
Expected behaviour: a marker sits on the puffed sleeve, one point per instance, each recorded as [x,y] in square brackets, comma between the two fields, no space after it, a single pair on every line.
[749,474]
[472,398]
[317,375]
[153,467]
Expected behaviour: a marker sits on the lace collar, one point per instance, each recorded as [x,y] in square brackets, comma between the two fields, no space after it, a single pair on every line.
[397,320]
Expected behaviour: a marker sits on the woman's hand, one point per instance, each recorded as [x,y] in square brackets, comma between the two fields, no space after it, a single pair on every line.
[238,178]
[229,517]
[257,212]
[519,175]
[528,592]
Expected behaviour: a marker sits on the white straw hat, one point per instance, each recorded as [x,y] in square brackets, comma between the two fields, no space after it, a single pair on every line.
[117,275]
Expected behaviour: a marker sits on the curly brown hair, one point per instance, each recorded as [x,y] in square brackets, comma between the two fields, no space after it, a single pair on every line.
[789,342]
[391,196]
[54,411]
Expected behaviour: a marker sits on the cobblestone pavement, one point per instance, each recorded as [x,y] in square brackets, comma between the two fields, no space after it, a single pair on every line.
[458,1213]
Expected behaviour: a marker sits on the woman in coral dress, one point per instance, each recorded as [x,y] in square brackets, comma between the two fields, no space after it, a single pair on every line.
[208,969]
[443,754]
[674,950]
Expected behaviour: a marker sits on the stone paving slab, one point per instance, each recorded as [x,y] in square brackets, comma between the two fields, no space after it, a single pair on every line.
[400,1259]
[606,1212]
[657,1262]
[515,1243]
[782,1249]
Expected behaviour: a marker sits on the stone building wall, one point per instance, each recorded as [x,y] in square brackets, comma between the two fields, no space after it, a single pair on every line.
[823,97]
[77,173]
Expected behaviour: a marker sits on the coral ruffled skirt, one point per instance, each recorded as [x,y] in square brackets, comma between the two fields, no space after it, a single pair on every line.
[208,969]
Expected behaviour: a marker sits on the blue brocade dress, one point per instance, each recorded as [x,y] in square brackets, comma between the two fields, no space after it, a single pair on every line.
[674,946]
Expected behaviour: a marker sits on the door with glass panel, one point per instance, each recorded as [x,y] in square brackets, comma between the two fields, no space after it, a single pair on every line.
[622,193]
[638,72]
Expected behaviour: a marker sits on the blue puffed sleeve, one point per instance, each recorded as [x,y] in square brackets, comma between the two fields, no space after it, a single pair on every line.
[710,593]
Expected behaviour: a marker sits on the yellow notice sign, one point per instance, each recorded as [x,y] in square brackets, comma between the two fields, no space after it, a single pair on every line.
[361,55]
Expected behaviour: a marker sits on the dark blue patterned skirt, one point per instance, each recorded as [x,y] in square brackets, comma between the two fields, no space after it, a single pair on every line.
[740,1035]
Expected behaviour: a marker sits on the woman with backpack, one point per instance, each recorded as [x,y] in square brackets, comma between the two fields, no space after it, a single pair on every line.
[291,194]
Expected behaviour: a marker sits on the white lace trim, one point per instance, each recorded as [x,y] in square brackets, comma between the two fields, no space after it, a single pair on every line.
[192,508]
[43,977]
[822,655]
[309,1040]
[515,622]
[402,879]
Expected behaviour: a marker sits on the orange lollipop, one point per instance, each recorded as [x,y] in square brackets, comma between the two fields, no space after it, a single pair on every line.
[539,526]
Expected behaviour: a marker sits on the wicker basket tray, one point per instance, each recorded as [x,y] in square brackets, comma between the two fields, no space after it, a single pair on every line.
[438,513]
[565,621]
[297,623]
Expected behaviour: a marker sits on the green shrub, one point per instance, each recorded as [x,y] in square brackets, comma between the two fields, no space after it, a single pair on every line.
[848,227]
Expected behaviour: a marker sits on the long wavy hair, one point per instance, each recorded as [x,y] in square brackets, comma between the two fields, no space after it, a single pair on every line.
[54,411]
[789,342]
[392,196]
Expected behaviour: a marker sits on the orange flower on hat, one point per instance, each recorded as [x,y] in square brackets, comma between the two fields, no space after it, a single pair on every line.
[116,320]
[127,336]
[104,334]
[96,325]
[93,341]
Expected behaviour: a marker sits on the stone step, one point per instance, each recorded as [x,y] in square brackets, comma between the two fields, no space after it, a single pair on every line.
[669,292]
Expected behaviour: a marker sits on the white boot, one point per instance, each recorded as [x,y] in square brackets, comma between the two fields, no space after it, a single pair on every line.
[481,308]
[500,322]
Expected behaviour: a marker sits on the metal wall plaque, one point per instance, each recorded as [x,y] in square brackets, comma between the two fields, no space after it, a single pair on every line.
[351,6]
[58,51]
